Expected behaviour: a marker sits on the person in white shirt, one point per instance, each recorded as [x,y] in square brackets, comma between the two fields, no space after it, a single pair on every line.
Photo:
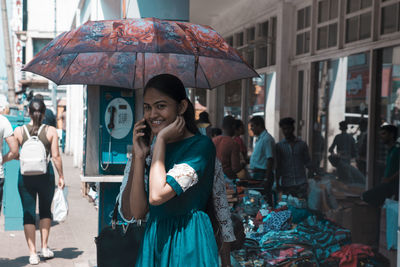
[6,133]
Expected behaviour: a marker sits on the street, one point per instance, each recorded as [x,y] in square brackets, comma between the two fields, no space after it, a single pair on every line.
[72,240]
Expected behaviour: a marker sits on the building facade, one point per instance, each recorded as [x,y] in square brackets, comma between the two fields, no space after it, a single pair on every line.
[320,62]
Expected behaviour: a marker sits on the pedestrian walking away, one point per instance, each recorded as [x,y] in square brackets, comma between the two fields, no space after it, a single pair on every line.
[49,117]
[41,186]
[176,190]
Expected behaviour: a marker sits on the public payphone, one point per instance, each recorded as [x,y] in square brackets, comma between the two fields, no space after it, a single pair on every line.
[116,128]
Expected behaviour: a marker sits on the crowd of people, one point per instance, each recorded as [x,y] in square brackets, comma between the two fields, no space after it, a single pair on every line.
[283,163]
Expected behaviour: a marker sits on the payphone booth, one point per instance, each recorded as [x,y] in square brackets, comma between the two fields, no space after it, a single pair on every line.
[108,142]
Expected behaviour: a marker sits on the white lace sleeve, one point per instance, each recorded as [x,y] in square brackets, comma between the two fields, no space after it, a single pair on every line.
[221,205]
[184,177]
[122,188]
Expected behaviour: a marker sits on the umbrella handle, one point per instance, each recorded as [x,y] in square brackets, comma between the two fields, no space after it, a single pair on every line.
[196,65]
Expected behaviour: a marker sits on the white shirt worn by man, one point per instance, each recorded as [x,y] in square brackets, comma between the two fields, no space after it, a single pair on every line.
[5,131]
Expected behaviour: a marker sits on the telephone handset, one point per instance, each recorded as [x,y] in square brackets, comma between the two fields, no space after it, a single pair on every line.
[118,119]
[147,134]
[111,125]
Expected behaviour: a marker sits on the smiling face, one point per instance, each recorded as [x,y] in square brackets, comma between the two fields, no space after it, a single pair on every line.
[159,109]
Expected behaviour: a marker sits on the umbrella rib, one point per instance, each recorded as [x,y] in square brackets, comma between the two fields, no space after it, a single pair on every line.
[156,34]
[205,76]
[66,69]
[192,43]
[68,43]
[134,73]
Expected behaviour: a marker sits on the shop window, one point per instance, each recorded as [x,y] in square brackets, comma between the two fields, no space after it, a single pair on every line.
[323,11]
[262,56]
[351,30]
[250,55]
[233,96]
[327,10]
[358,28]
[389,103]
[365,26]
[390,18]
[356,5]
[334,9]
[257,44]
[303,30]
[332,35]
[229,40]
[200,101]
[299,44]
[327,24]
[251,34]
[263,29]
[25,15]
[303,18]
[39,43]
[358,20]
[272,41]
[257,97]
[239,39]
[327,36]
[334,104]
[322,37]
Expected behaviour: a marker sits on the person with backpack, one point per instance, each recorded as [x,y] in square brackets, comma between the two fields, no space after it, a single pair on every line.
[36,177]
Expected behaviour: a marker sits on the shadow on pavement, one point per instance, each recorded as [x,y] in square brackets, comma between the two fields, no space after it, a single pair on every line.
[17,262]
[67,253]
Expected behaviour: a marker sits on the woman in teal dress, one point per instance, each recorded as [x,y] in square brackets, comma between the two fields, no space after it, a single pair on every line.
[178,230]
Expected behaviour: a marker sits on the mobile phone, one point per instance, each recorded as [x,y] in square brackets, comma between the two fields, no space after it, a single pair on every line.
[147,133]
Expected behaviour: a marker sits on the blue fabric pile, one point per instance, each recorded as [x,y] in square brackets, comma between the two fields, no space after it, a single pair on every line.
[324,236]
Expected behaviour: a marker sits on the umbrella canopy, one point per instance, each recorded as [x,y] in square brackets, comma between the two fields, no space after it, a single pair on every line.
[127,53]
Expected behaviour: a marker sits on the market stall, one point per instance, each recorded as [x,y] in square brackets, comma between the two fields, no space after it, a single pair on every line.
[297,232]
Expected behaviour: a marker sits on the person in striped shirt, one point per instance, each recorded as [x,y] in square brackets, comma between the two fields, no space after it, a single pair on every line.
[292,159]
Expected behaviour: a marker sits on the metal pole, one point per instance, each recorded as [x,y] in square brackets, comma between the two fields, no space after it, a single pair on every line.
[54,87]
[124,9]
[8,54]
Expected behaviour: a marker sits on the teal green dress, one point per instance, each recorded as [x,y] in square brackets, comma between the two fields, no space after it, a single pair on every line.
[179,232]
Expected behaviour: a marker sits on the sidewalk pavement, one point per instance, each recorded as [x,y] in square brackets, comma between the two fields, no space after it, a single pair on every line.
[72,240]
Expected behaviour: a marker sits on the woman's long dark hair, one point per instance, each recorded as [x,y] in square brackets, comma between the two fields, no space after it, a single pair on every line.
[37,109]
[173,87]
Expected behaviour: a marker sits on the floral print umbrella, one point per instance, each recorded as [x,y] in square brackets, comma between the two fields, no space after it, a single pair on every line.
[127,53]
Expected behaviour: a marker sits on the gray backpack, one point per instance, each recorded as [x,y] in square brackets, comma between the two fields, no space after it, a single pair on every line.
[33,159]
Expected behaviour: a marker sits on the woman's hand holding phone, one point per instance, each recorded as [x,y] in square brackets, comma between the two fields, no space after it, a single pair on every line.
[141,147]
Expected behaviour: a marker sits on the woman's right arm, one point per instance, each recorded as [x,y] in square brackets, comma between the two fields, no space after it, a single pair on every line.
[134,200]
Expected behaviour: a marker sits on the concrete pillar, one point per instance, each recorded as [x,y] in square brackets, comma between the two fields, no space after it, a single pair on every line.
[285,103]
